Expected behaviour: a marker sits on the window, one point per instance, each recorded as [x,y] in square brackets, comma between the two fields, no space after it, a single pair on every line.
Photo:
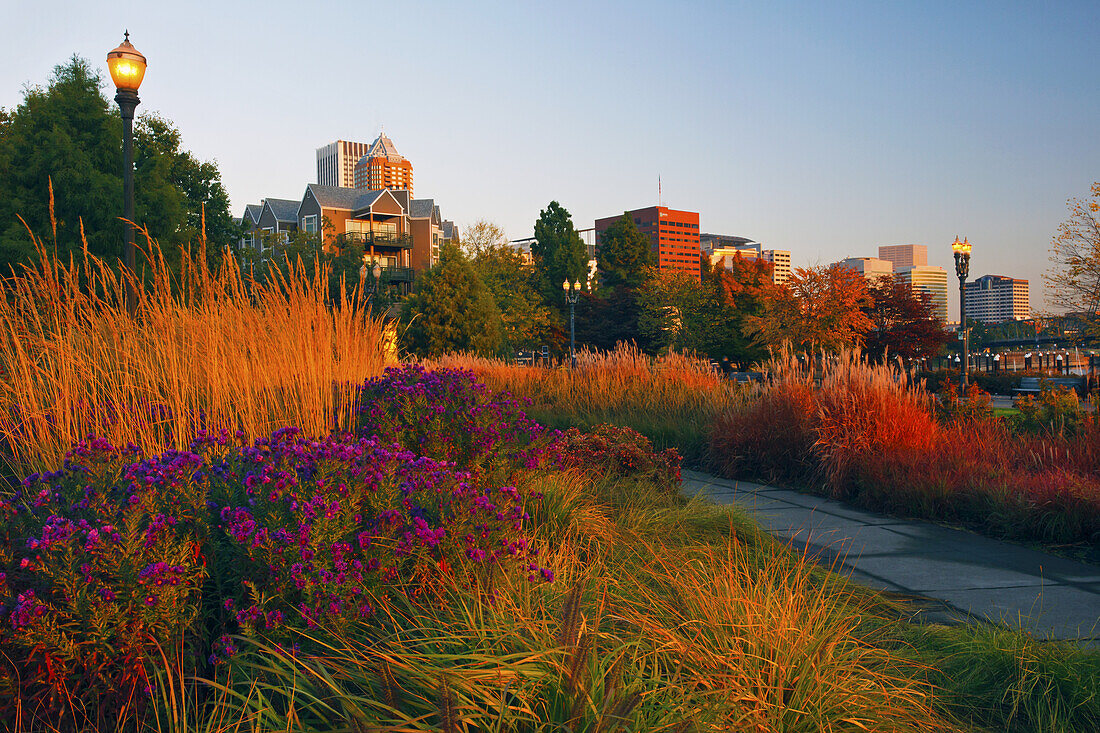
[309,223]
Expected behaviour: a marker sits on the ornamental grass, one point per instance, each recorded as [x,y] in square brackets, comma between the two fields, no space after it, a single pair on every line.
[669,399]
[205,349]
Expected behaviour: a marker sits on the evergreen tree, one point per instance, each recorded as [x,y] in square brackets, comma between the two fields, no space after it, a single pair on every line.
[452,310]
[559,252]
[625,255]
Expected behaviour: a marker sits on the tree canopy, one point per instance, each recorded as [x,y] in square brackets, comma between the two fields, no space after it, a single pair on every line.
[821,308]
[903,322]
[558,251]
[451,310]
[625,255]
[69,136]
[1074,275]
[526,322]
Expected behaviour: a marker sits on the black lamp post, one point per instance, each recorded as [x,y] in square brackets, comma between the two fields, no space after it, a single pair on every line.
[962,269]
[127,67]
[572,292]
[376,271]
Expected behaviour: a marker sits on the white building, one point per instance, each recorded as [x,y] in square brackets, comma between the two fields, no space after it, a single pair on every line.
[904,255]
[336,163]
[996,299]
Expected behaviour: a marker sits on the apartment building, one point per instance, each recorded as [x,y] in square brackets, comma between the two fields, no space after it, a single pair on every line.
[673,233]
[996,298]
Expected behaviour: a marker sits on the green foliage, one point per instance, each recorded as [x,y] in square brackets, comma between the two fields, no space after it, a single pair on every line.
[1055,411]
[70,134]
[452,310]
[709,317]
[526,321]
[976,407]
[625,255]
[558,250]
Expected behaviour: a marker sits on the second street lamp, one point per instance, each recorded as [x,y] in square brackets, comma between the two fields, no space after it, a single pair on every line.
[962,269]
[572,292]
[127,67]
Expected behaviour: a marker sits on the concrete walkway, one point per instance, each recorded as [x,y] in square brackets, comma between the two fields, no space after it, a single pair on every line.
[951,575]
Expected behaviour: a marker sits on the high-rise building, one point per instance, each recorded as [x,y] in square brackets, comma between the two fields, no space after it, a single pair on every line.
[996,299]
[781,264]
[674,234]
[336,163]
[871,268]
[904,255]
[383,167]
[926,279]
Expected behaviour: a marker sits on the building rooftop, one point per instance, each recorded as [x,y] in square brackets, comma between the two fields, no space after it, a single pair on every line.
[283,209]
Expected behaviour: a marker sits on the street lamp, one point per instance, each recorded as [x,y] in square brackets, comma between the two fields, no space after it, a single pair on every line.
[572,292]
[376,271]
[127,67]
[962,269]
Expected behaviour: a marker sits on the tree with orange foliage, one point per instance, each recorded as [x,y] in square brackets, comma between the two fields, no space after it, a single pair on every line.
[1074,276]
[821,308]
[903,321]
[708,316]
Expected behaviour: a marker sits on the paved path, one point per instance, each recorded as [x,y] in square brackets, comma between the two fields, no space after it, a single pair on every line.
[953,574]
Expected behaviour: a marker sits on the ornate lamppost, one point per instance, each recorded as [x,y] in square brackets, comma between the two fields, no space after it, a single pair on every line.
[127,67]
[572,292]
[376,271]
[962,269]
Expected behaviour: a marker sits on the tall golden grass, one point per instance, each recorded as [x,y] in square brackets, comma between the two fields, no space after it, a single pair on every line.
[670,399]
[203,348]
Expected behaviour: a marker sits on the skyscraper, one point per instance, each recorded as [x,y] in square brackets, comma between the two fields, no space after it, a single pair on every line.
[336,163]
[925,279]
[781,264]
[383,167]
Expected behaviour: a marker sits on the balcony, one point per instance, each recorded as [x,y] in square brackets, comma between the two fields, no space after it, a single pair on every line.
[365,239]
[397,274]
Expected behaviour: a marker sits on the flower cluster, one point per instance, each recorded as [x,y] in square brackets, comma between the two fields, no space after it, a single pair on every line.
[448,415]
[323,531]
[621,452]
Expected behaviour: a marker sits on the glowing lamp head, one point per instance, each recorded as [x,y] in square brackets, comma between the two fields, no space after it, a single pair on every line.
[377,270]
[577,285]
[127,66]
[961,247]
[565,285]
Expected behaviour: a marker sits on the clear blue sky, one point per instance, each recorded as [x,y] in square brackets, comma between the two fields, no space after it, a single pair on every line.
[823,128]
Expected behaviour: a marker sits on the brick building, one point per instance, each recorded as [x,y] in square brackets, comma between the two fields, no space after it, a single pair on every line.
[674,235]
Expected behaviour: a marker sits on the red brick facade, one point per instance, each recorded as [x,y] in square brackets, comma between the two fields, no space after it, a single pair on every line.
[674,234]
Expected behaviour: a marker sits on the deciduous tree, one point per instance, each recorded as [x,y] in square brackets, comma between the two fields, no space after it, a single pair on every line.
[1074,276]
[452,310]
[903,321]
[821,308]
[526,322]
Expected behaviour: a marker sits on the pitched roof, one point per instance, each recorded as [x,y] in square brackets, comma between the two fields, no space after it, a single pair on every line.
[283,209]
[252,212]
[383,147]
[334,197]
[450,231]
[421,208]
[402,196]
